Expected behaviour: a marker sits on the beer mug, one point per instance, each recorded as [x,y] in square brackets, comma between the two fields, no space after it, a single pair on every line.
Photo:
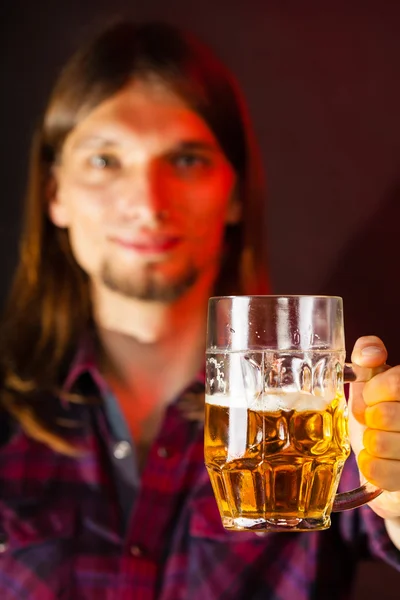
[276,417]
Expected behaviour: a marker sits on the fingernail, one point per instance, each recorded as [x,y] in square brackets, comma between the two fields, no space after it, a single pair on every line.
[371,351]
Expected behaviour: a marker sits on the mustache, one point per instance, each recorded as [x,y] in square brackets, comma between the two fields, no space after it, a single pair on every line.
[138,231]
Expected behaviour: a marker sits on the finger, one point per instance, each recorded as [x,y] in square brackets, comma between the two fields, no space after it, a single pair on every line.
[369,351]
[384,416]
[357,405]
[382,444]
[382,472]
[383,387]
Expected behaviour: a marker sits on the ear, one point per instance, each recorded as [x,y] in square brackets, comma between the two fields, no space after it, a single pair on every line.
[234,212]
[57,210]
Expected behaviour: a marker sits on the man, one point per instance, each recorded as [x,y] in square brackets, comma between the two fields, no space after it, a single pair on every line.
[145,198]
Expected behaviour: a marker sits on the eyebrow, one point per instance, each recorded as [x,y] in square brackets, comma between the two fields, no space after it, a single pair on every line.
[93,141]
[98,141]
[187,145]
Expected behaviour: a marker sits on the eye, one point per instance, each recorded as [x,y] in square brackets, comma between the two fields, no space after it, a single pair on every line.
[103,161]
[189,161]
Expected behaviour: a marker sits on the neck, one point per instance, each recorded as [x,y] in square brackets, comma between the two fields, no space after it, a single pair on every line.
[149,345]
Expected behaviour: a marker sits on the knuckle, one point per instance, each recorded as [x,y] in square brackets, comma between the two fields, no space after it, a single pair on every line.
[389,414]
[374,442]
[380,444]
[393,382]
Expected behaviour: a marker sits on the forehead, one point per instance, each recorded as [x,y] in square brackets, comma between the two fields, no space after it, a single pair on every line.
[143,109]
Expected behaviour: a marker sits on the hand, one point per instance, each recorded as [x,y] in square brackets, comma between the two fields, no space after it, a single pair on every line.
[374,419]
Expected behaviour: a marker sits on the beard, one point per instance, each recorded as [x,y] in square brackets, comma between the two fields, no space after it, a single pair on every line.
[149,285]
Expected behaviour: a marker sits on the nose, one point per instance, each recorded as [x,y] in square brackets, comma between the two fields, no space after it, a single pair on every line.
[142,197]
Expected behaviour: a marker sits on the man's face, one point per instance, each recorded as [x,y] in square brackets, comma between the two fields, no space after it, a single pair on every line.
[145,192]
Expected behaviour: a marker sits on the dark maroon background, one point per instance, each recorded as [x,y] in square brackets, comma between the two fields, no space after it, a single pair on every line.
[322,81]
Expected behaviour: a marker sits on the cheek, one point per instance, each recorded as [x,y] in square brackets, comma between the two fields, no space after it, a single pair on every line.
[86,211]
[207,207]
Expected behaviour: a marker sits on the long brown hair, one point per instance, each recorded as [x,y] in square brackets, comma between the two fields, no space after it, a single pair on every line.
[49,304]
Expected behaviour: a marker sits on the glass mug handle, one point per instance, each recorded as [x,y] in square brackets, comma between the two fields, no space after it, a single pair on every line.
[366,492]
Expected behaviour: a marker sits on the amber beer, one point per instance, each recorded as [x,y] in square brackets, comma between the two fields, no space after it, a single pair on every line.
[275,465]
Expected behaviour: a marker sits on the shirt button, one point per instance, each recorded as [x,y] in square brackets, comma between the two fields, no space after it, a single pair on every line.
[122,450]
[162,452]
[136,551]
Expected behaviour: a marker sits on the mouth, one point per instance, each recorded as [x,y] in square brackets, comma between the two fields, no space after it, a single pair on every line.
[148,244]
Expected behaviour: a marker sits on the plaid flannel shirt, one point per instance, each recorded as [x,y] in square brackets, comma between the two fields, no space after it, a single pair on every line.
[91,528]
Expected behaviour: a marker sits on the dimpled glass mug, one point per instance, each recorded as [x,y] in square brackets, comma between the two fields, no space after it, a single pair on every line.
[276,423]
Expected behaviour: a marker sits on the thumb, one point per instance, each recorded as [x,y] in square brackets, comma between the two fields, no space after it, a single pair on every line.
[368,352]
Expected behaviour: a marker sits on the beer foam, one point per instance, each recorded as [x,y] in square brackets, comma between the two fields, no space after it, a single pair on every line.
[299,401]
[226,401]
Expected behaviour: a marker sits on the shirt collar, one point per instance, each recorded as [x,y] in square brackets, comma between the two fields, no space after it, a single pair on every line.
[85,361]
